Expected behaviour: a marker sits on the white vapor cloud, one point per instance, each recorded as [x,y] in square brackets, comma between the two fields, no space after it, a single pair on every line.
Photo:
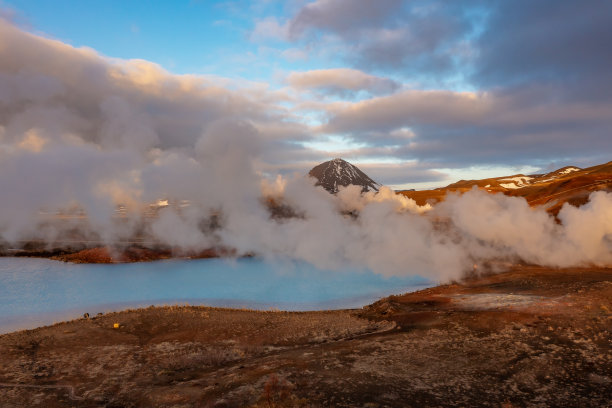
[82,134]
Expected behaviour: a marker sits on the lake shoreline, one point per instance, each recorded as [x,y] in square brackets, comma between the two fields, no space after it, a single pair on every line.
[529,336]
[36,291]
[117,255]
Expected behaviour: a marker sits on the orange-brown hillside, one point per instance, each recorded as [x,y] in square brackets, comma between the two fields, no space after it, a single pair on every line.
[566,185]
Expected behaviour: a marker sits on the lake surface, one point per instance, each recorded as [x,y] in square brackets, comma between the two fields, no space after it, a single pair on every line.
[35,292]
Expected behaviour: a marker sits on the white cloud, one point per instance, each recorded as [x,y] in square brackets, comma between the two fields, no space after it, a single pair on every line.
[341,81]
[295,54]
[269,29]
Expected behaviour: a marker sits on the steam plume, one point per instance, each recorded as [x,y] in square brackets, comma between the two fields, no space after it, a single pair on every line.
[87,144]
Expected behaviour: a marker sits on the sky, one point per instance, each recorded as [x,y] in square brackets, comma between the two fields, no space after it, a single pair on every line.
[416,93]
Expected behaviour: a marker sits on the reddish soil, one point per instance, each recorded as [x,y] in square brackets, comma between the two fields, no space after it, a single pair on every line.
[111,255]
[573,188]
[529,336]
[137,254]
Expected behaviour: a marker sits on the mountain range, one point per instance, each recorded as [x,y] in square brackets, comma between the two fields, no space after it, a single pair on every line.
[570,184]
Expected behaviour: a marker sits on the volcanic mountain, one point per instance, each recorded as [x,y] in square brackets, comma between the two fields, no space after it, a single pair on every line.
[335,173]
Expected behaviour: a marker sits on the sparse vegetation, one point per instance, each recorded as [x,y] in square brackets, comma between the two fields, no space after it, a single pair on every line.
[530,336]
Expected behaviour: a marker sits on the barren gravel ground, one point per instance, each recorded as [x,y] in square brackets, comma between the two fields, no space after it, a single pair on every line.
[526,337]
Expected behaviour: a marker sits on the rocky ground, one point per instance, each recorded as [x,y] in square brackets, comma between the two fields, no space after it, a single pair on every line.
[527,337]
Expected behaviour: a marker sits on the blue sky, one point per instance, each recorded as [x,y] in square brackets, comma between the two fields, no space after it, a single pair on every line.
[420,93]
[185,37]
[197,37]
[201,36]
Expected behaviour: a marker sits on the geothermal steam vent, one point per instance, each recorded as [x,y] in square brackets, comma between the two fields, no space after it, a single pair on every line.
[335,173]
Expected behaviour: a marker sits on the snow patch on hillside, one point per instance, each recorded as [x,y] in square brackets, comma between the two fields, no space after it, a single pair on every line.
[569,170]
[516,182]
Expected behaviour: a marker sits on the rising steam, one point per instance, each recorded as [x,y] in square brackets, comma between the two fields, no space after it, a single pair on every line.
[87,145]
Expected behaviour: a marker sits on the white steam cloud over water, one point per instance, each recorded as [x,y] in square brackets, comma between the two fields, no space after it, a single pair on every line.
[82,134]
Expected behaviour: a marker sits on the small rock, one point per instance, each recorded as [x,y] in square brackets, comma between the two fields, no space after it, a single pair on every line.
[599,379]
[221,403]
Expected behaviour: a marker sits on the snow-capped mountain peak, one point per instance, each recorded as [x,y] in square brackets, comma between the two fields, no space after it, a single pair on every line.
[337,172]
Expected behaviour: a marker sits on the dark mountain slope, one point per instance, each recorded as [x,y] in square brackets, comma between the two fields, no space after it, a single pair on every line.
[335,173]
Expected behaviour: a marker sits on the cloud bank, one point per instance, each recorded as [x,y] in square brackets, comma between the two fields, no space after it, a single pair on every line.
[87,143]
[520,83]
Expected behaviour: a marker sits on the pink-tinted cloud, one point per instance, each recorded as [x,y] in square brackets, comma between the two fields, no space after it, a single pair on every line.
[341,81]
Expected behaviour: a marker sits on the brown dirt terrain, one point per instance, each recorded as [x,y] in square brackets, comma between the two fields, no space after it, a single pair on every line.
[137,254]
[530,336]
[133,253]
[549,190]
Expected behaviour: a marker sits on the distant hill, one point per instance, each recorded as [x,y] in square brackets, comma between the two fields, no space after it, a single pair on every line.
[337,172]
[569,184]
